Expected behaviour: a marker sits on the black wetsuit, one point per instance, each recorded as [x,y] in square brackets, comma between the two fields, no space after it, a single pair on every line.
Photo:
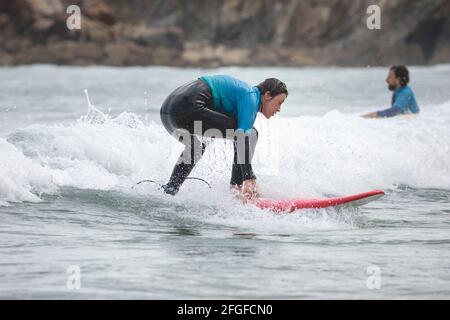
[194,102]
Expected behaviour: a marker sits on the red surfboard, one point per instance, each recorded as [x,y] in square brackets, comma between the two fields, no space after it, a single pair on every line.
[285,206]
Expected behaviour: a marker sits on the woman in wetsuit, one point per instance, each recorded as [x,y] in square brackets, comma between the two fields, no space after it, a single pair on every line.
[224,104]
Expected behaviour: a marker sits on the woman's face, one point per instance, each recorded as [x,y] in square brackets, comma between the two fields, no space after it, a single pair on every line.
[271,105]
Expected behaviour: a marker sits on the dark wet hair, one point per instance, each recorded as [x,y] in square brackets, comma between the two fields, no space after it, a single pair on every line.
[402,73]
[274,86]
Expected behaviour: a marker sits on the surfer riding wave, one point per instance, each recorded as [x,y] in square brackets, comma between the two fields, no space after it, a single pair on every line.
[219,106]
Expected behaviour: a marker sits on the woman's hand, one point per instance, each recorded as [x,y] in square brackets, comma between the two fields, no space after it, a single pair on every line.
[250,190]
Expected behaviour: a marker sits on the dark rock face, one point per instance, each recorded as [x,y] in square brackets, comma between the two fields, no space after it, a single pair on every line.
[327,31]
[35,31]
[225,32]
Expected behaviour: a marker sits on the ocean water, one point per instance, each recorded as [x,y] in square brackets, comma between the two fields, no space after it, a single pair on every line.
[74,224]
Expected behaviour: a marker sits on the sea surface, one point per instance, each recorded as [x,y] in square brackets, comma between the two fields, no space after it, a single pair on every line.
[74,224]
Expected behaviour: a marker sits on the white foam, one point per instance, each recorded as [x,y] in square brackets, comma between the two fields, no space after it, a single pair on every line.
[314,156]
[20,178]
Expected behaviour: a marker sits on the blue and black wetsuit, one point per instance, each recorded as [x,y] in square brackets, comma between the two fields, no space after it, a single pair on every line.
[219,102]
[403,102]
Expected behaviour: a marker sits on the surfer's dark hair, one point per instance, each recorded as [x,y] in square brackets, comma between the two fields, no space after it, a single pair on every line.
[273,86]
[402,73]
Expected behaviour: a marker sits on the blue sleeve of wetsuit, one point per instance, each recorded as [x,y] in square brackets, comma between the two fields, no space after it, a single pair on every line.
[246,112]
[391,112]
[405,100]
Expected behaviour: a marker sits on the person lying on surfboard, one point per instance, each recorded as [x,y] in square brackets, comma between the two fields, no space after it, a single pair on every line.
[403,99]
[219,106]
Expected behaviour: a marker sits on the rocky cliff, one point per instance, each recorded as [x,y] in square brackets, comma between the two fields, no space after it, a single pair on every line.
[225,32]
